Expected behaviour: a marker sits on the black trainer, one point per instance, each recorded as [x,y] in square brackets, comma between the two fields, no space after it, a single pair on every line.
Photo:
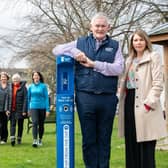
[35,143]
[13,142]
[19,140]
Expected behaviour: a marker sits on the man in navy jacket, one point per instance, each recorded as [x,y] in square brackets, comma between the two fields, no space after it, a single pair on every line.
[98,64]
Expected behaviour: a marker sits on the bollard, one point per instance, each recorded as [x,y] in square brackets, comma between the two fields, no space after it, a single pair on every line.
[65,112]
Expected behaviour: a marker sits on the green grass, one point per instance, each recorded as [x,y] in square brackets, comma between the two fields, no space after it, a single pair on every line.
[24,156]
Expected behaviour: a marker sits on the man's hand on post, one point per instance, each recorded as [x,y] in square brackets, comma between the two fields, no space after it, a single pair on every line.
[81,57]
[84,60]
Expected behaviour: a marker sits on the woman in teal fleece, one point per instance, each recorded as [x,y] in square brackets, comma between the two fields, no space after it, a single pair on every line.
[38,106]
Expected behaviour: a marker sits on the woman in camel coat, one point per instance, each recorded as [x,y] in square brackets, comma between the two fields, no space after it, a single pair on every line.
[141,120]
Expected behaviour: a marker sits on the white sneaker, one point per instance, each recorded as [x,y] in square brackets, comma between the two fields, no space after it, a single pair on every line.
[40,142]
[3,142]
[35,143]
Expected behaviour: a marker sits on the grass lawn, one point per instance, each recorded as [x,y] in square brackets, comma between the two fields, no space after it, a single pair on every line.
[25,156]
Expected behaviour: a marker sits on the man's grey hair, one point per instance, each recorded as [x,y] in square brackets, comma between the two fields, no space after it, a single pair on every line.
[100,15]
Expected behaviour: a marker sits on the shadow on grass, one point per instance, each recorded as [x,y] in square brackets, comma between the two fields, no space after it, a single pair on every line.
[50,132]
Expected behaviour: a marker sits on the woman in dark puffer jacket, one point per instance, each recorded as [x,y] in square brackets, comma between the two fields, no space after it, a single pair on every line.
[5,104]
[19,108]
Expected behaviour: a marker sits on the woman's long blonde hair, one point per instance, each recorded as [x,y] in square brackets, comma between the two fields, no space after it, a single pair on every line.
[142,34]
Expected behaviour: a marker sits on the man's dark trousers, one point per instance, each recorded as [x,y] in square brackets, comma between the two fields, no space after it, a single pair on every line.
[96,114]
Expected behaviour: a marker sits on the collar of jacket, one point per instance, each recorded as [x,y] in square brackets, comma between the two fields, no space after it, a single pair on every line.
[103,41]
[145,58]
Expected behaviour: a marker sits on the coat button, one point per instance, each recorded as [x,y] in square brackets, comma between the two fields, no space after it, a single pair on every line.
[137,106]
[136,79]
[136,96]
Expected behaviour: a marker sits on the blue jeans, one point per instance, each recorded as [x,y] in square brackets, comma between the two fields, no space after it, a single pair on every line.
[96,114]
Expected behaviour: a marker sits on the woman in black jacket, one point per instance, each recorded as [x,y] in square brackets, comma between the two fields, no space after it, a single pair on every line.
[5,103]
[19,108]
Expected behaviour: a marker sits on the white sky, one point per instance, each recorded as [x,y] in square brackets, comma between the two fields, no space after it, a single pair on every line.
[11,14]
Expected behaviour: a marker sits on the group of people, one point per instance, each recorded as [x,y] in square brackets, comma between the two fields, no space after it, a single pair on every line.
[17,102]
[98,65]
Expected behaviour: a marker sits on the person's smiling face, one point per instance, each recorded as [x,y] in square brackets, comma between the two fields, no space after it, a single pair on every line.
[139,43]
[99,28]
[36,77]
[4,78]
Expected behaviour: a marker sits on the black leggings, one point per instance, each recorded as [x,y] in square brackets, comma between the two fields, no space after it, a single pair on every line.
[3,126]
[38,117]
[138,154]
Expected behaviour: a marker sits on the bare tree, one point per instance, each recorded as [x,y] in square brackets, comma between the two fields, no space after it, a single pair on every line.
[53,22]
[66,20]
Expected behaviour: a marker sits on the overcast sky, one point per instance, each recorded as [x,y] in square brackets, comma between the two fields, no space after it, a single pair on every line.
[11,16]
